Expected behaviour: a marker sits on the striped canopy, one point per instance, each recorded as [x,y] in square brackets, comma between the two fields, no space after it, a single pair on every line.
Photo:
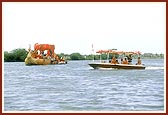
[118,52]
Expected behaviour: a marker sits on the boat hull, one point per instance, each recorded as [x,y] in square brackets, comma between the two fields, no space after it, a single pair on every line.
[35,61]
[115,66]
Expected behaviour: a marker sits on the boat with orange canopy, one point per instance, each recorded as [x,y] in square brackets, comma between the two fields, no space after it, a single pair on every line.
[39,57]
[114,64]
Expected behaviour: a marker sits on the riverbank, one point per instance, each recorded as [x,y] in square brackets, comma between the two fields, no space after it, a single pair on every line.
[19,55]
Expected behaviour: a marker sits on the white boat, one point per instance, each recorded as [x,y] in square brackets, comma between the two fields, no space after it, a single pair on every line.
[117,65]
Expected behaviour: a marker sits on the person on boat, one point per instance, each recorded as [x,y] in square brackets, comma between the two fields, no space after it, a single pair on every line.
[139,61]
[49,53]
[43,55]
[113,61]
[62,59]
[125,61]
[117,61]
[121,60]
[33,55]
[38,56]
[129,59]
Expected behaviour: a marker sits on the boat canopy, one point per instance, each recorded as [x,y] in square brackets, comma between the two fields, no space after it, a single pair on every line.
[43,47]
[118,52]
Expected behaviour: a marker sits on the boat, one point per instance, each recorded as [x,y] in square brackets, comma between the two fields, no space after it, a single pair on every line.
[117,65]
[38,57]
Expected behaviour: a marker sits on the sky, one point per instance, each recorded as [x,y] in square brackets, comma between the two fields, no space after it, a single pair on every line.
[74,27]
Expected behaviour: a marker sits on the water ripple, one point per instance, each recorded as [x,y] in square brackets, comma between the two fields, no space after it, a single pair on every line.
[75,87]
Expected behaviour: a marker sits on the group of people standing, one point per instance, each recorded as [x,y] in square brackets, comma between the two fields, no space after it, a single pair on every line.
[126,60]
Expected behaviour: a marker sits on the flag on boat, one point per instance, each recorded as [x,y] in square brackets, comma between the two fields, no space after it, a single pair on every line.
[92,48]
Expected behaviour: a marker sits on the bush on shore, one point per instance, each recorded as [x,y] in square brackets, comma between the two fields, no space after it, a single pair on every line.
[19,55]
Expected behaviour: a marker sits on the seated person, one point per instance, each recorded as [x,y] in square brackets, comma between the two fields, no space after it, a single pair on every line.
[121,60]
[139,61]
[117,61]
[125,61]
[62,59]
[41,54]
[129,59]
[103,61]
[113,61]
[33,54]
[38,56]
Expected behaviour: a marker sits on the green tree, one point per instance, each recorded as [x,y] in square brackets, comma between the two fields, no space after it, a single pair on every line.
[90,57]
[103,56]
[161,55]
[17,55]
[8,57]
[76,56]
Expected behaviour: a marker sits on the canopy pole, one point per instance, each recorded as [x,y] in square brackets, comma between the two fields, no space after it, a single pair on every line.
[107,57]
[92,52]
[29,47]
[93,56]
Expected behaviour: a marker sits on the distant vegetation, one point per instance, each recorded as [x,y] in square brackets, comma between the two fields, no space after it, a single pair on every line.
[19,55]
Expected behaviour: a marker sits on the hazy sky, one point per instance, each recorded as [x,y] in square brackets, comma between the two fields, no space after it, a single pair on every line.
[74,27]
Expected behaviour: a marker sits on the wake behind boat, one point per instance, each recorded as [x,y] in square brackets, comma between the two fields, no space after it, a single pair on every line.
[114,63]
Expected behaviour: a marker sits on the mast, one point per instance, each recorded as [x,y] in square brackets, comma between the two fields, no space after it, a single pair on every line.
[100,57]
[107,56]
[29,47]
[92,52]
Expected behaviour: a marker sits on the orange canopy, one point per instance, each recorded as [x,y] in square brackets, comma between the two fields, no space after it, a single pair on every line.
[117,52]
[102,51]
[43,47]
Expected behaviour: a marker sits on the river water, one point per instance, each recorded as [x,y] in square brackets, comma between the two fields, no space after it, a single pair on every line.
[78,87]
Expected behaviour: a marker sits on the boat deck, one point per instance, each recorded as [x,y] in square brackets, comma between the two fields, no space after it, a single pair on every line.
[116,66]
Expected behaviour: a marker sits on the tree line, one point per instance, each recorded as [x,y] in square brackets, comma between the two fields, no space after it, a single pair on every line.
[16,55]
[19,55]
